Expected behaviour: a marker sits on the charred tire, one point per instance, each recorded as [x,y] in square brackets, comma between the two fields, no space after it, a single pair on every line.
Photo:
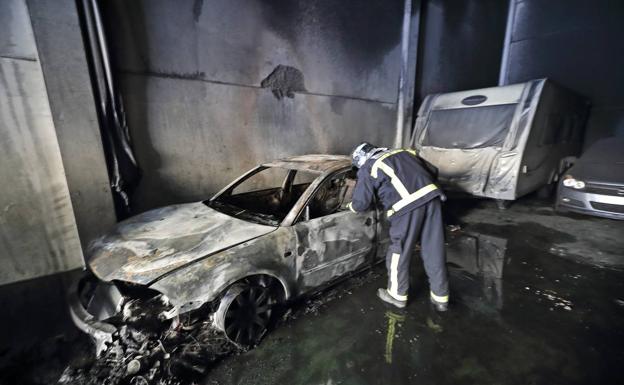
[247,310]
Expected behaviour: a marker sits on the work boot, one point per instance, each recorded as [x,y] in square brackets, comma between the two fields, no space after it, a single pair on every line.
[386,297]
[439,306]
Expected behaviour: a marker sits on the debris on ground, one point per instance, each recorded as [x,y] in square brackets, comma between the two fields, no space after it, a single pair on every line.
[453,228]
[312,304]
[556,299]
[147,351]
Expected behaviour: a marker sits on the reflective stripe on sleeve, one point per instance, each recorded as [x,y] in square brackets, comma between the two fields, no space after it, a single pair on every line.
[439,298]
[350,206]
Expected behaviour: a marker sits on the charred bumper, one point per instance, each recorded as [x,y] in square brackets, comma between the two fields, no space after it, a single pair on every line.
[101,308]
[90,303]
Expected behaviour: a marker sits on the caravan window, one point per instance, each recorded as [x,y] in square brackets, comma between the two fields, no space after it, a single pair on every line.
[474,127]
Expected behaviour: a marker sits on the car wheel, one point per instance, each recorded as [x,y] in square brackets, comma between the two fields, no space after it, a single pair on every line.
[246,311]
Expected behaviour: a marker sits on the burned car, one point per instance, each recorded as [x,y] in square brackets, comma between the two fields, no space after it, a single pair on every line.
[594,185]
[279,231]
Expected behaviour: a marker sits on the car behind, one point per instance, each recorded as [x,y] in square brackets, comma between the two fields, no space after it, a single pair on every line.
[595,184]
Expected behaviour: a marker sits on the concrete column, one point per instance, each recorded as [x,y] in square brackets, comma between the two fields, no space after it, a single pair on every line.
[63,60]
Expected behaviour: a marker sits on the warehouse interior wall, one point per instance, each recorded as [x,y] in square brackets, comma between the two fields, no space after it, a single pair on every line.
[212,88]
[38,231]
[461,45]
[62,55]
[577,44]
[40,244]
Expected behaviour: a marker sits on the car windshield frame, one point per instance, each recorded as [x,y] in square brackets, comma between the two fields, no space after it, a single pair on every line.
[260,218]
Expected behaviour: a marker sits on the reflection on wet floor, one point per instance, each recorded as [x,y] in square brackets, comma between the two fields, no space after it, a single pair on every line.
[520,314]
[481,256]
[393,319]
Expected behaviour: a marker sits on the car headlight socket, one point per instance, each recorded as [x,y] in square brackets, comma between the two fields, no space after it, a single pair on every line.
[569,181]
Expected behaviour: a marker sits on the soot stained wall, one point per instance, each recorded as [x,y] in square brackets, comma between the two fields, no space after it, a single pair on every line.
[38,233]
[191,75]
[461,45]
[63,61]
[578,44]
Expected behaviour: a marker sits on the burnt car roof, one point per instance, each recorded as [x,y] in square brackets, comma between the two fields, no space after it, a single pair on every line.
[316,163]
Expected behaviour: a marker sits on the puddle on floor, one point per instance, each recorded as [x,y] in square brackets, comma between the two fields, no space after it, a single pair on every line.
[519,315]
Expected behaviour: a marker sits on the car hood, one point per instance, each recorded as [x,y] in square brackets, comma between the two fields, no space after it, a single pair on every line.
[143,248]
[603,173]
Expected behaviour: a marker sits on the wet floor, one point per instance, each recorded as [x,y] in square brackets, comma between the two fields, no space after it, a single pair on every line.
[521,313]
[536,298]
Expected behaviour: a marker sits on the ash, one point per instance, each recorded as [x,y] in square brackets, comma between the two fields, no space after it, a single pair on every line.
[145,351]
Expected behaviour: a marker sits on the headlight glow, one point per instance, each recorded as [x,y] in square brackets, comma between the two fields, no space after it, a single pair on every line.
[569,181]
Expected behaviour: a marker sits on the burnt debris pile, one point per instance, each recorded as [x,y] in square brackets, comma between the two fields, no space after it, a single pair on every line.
[147,351]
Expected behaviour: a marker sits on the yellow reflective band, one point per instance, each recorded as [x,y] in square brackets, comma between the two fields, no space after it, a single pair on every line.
[350,206]
[397,296]
[384,156]
[438,298]
[396,183]
[394,278]
[414,196]
[390,212]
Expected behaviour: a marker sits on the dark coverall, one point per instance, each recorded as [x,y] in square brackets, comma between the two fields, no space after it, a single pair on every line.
[407,191]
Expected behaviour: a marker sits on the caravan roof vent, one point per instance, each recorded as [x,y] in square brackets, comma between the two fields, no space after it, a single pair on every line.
[474,100]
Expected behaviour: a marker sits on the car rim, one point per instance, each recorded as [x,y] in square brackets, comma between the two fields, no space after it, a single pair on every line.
[248,314]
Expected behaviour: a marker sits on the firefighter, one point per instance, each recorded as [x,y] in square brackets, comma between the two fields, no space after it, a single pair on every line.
[404,185]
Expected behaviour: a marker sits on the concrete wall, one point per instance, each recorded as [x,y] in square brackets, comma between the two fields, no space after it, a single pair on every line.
[38,233]
[461,45]
[191,74]
[63,60]
[577,43]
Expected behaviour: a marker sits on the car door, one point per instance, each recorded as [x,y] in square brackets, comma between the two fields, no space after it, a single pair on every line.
[331,240]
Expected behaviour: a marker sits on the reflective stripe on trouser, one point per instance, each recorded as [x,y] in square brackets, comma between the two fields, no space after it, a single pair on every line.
[424,223]
[439,298]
